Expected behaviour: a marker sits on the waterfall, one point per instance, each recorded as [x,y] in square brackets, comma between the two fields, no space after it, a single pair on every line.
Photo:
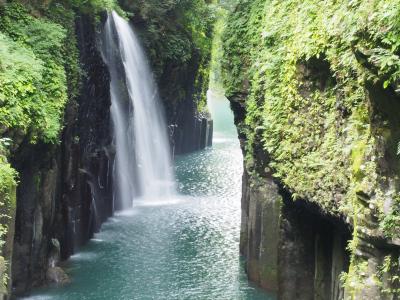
[142,161]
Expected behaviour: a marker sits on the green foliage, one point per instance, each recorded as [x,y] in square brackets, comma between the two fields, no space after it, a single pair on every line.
[391,221]
[198,17]
[7,203]
[94,6]
[65,17]
[33,80]
[221,11]
[40,57]
[240,41]
[7,183]
[389,284]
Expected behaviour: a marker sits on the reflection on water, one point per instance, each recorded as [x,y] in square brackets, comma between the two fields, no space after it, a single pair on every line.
[183,249]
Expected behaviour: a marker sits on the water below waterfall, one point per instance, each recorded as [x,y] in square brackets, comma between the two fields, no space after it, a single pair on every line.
[187,248]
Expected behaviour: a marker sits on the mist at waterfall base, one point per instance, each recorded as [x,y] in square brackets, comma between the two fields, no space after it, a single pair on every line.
[183,250]
[184,246]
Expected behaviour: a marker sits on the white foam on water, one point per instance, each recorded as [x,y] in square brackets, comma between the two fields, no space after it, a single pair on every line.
[83,256]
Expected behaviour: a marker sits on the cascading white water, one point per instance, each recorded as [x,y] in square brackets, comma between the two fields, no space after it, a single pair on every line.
[142,163]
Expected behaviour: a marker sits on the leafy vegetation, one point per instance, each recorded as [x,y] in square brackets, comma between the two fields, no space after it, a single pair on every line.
[191,26]
[8,182]
[33,81]
[304,78]
[391,221]
[33,93]
[391,267]
[95,6]
[222,10]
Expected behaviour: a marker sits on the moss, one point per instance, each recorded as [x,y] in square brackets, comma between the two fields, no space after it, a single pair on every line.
[201,85]
[65,17]
[222,9]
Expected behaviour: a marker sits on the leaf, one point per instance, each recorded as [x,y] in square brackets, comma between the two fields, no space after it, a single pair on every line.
[386,84]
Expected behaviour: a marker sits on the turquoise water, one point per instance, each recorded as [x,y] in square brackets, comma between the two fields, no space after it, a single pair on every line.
[186,248]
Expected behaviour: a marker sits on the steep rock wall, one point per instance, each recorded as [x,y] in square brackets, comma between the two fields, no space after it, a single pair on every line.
[65,191]
[311,93]
[293,249]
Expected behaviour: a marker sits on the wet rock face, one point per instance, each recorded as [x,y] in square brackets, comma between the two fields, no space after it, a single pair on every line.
[57,275]
[65,191]
[312,252]
[191,133]
[261,208]
[36,213]
[87,148]
[189,130]
[290,248]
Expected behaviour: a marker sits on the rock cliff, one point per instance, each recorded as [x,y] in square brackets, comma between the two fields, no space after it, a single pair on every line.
[314,88]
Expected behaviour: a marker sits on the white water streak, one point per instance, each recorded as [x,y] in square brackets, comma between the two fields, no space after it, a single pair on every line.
[143,162]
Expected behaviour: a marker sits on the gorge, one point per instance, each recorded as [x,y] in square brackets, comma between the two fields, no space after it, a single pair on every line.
[195,149]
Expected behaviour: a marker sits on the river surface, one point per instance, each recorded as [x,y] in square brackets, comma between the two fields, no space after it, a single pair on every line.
[184,248]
